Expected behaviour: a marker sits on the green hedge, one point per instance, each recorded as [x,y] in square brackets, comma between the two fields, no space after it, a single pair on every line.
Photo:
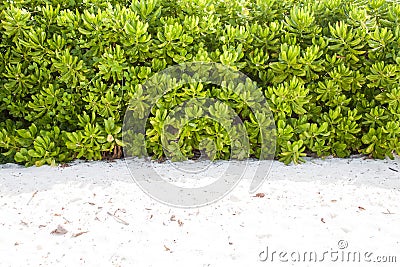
[68,69]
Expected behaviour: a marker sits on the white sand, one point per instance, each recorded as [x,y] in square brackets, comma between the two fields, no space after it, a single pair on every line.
[309,207]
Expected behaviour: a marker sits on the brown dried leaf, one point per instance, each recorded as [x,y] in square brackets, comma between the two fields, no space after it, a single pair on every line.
[260,195]
[59,231]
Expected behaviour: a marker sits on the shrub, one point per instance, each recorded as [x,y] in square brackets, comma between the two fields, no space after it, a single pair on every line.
[68,69]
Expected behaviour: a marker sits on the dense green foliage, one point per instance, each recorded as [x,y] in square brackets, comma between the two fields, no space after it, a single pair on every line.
[68,69]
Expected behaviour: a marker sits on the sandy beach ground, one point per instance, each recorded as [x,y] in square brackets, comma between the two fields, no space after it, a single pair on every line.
[94,214]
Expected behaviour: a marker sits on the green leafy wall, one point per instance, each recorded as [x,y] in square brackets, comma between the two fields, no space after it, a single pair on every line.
[329,69]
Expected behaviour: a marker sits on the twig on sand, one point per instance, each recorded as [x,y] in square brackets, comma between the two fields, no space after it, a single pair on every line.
[393,169]
[118,219]
[167,249]
[33,195]
[80,233]
[388,212]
